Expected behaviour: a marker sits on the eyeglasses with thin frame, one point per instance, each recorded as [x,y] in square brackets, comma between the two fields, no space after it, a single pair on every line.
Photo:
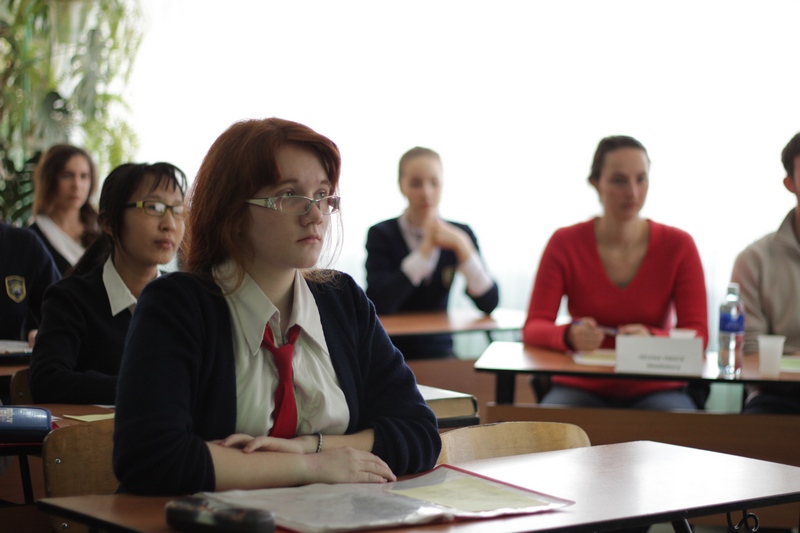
[298,205]
[158,209]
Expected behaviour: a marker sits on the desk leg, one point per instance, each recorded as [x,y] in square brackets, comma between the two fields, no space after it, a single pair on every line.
[504,387]
[681,526]
[25,472]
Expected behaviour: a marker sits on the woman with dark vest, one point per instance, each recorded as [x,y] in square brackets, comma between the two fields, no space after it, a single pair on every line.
[85,316]
[412,259]
[26,270]
[253,368]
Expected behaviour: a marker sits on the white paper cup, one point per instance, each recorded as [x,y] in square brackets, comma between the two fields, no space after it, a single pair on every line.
[770,350]
[680,333]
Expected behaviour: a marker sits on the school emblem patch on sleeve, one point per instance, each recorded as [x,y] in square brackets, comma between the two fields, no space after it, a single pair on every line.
[448,273]
[15,288]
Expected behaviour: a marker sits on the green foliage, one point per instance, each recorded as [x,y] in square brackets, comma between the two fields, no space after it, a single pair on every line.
[63,66]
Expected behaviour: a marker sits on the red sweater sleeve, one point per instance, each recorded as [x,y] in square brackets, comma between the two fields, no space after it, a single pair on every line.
[548,288]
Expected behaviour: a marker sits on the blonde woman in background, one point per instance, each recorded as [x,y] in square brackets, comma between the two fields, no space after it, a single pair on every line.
[412,259]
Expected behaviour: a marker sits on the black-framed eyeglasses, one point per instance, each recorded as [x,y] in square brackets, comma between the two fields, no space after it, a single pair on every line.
[158,209]
[298,205]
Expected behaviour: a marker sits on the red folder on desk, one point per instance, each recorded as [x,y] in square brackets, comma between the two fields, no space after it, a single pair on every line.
[444,494]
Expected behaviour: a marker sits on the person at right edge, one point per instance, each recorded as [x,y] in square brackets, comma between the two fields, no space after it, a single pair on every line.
[768,274]
[412,259]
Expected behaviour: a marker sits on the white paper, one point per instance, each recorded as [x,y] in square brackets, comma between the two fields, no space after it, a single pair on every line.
[599,357]
[14,347]
[790,363]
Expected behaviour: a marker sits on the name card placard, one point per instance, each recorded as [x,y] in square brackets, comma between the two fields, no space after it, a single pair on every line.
[659,355]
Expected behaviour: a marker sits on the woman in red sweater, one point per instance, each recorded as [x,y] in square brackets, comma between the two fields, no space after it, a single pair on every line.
[620,271]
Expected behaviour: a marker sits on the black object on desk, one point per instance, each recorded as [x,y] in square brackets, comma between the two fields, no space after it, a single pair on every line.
[197,515]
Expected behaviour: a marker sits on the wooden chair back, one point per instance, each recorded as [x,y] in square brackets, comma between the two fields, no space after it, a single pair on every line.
[21,387]
[509,438]
[77,462]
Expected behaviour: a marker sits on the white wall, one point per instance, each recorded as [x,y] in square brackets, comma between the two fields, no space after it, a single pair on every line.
[515,96]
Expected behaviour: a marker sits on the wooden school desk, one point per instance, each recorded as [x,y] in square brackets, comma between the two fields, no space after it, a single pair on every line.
[7,370]
[453,374]
[507,359]
[613,486]
[455,321]
[767,437]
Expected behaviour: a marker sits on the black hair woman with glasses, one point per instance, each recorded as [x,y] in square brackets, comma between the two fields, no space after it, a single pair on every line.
[85,317]
[261,369]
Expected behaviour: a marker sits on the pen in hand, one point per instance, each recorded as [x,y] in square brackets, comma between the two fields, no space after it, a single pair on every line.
[611,332]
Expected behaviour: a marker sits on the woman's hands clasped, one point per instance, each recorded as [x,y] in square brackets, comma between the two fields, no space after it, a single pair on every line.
[442,234]
[249,443]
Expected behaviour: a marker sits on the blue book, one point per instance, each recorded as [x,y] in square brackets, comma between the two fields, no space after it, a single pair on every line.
[24,424]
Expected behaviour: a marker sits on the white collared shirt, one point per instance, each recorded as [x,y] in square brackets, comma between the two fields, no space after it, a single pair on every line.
[321,404]
[69,248]
[119,296]
[416,266]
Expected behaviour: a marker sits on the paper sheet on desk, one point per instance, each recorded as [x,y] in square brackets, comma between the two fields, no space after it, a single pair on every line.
[8,347]
[600,357]
[469,495]
[90,418]
[441,495]
[790,363]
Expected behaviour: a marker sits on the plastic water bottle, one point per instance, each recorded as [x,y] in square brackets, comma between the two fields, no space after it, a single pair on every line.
[731,333]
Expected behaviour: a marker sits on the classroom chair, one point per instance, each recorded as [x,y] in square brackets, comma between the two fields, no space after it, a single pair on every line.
[509,438]
[77,462]
[21,387]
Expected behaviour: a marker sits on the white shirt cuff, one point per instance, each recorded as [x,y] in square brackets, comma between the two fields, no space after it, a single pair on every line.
[478,280]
